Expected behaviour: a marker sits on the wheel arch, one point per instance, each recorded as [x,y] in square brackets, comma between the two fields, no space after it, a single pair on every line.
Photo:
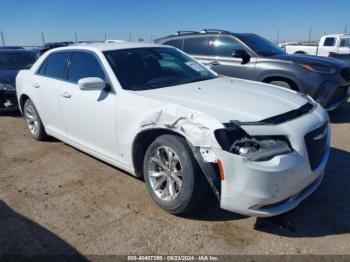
[23,98]
[142,141]
[288,80]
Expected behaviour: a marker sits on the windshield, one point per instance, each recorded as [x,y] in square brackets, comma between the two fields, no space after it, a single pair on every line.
[149,68]
[16,60]
[260,45]
[345,42]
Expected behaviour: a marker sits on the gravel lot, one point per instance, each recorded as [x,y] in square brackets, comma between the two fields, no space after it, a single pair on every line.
[55,199]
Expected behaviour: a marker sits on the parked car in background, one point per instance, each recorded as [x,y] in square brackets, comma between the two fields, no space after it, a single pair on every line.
[252,57]
[336,43]
[153,111]
[11,61]
[49,46]
[11,47]
[114,41]
[343,57]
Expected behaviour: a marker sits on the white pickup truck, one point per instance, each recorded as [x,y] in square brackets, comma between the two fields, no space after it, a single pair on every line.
[328,45]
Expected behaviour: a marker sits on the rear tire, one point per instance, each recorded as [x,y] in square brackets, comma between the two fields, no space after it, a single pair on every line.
[34,124]
[173,178]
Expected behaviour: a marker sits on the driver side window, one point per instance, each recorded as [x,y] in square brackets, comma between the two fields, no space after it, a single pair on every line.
[84,64]
[225,46]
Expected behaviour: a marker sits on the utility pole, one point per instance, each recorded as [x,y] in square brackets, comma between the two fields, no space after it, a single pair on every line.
[105,37]
[346,28]
[3,39]
[151,38]
[76,37]
[278,37]
[42,37]
[130,37]
[310,34]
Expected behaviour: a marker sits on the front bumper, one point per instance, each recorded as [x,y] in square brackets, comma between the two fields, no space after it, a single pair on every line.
[273,187]
[8,100]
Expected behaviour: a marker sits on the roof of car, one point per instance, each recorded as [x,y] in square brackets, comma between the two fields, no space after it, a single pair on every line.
[17,51]
[209,33]
[108,46]
[336,35]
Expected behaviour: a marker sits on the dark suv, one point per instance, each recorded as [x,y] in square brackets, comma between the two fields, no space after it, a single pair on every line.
[252,57]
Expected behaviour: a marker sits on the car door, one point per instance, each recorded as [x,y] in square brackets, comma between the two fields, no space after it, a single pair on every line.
[328,45]
[221,49]
[47,83]
[344,45]
[89,115]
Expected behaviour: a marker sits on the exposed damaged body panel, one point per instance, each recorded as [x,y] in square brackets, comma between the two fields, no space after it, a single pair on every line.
[278,119]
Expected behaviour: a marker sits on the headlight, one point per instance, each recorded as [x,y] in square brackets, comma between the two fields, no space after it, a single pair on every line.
[319,69]
[8,87]
[308,98]
[260,150]
[235,140]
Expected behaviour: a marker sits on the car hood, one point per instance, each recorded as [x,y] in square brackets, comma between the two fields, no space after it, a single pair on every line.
[8,77]
[230,99]
[310,59]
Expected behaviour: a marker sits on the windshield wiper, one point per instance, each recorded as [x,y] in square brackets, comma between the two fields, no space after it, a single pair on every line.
[197,79]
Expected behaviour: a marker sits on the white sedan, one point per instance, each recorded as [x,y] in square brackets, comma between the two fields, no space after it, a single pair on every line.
[156,113]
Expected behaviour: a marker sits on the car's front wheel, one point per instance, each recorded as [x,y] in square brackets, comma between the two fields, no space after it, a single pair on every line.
[173,177]
[34,124]
[281,84]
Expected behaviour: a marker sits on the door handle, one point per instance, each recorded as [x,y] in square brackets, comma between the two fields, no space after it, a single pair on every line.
[66,95]
[36,85]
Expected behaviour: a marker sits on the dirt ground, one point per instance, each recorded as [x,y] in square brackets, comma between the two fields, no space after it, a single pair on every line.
[55,199]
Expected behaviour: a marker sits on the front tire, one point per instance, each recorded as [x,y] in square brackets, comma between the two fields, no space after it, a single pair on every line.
[281,84]
[173,177]
[34,124]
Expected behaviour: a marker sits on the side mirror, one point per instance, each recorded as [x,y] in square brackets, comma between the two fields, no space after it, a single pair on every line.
[240,53]
[91,83]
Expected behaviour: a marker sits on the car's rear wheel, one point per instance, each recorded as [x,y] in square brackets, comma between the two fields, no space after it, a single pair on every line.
[34,124]
[173,177]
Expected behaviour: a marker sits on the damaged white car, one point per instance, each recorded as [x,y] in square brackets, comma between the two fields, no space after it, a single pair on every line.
[156,113]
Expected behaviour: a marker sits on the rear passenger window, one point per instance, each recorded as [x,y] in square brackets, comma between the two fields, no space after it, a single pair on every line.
[329,41]
[83,65]
[175,43]
[56,65]
[225,46]
[196,45]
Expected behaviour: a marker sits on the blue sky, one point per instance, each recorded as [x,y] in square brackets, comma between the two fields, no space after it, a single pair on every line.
[22,21]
